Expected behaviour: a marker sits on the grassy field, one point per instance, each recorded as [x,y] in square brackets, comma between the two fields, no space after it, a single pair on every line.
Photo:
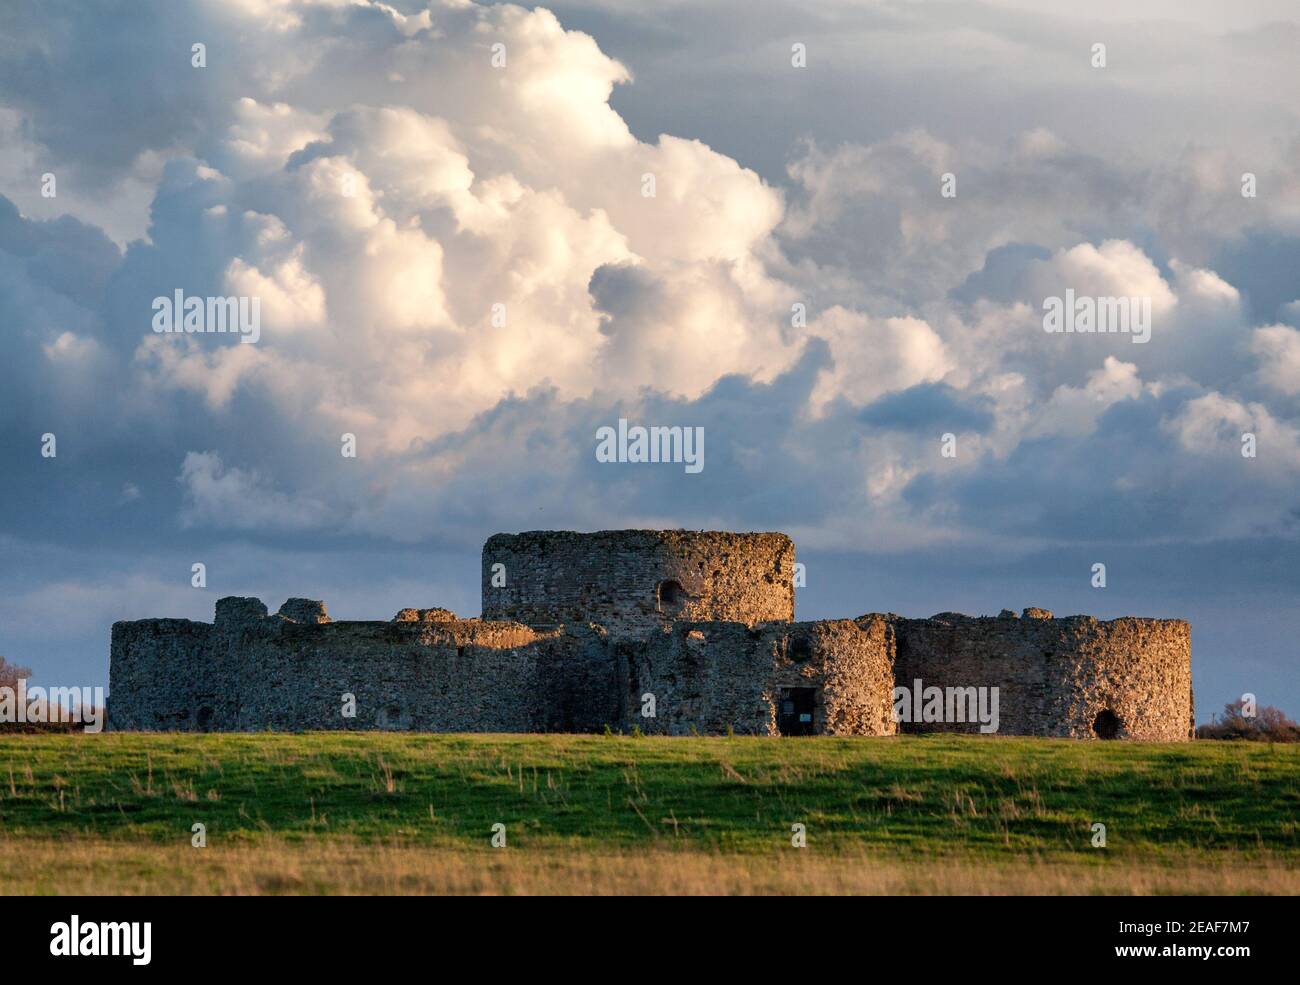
[383,812]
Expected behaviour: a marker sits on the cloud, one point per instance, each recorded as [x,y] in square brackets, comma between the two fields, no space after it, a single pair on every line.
[1074,411]
[1278,350]
[1116,268]
[472,266]
[235,499]
[873,357]
[929,406]
[1213,425]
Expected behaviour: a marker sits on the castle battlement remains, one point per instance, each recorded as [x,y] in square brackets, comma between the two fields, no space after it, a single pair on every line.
[669,631]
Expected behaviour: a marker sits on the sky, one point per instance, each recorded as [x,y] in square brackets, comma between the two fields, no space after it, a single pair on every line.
[824,233]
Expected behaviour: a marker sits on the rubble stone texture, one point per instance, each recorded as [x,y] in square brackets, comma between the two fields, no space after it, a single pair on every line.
[710,676]
[1056,676]
[590,626]
[635,581]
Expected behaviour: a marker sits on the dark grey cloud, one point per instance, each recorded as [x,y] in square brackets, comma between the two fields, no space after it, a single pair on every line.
[932,407]
[99,84]
[1264,264]
[1002,276]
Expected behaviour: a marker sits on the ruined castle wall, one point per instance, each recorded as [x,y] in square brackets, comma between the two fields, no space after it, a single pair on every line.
[250,671]
[632,582]
[712,676]
[1057,677]
[586,625]
[164,671]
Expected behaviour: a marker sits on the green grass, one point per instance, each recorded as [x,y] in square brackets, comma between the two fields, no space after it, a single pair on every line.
[968,798]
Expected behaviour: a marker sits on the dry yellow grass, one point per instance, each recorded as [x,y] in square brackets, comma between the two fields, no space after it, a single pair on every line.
[97,866]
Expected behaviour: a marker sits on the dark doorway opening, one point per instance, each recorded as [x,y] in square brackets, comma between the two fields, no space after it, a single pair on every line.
[672,597]
[1107,725]
[203,719]
[390,717]
[794,710]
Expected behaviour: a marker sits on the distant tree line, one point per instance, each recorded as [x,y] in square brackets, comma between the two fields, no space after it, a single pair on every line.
[1268,724]
[10,674]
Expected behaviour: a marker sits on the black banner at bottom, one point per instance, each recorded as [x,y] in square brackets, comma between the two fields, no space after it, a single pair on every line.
[215,935]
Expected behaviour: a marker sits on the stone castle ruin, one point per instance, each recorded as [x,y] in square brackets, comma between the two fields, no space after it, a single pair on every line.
[669,631]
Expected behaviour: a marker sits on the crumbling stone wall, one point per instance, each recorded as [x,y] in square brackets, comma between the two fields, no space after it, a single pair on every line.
[1076,677]
[633,582]
[708,677]
[250,671]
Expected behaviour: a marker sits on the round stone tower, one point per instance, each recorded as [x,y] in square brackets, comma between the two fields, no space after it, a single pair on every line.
[1076,677]
[634,581]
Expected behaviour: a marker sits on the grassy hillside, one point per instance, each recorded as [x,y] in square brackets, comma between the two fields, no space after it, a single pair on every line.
[1178,817]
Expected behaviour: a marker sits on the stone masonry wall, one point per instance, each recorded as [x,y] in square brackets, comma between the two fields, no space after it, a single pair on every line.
[707,677]
[1057,676]
[250,671]
[635,581]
